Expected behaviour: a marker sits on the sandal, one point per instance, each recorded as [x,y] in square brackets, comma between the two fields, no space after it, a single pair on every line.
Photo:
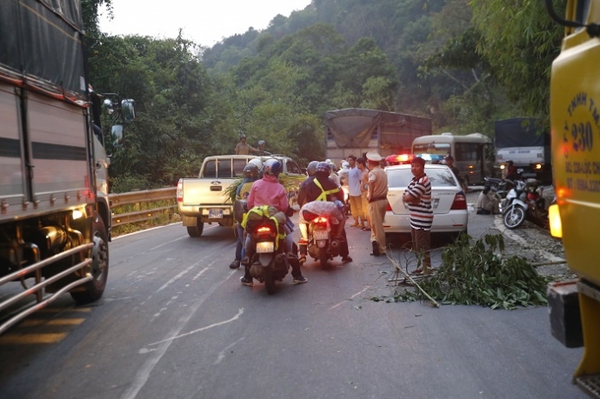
[366,229]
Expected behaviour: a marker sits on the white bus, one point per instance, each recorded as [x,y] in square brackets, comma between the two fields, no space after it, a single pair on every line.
[473,153]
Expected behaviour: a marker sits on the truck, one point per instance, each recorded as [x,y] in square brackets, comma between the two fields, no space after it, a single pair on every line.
[54,209]
[574,305]
[527,144]
[355,131]
[206,199]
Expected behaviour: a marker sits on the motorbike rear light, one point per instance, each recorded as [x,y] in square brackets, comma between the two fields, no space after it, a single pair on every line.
[263,230]
[321,220]
[180,191]
[460,202]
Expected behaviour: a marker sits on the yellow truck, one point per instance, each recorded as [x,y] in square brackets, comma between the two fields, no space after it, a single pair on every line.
[575,130]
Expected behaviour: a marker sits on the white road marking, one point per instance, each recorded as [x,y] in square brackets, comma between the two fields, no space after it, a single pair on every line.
[499,224]
[144,372]
[234,318]
[222,353]
[351,298]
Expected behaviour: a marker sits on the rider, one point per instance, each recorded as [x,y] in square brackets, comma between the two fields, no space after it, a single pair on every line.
[268,191]
[319,195]
[240,206]
[511,171]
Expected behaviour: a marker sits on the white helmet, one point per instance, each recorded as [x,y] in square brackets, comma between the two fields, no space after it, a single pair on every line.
[257,162]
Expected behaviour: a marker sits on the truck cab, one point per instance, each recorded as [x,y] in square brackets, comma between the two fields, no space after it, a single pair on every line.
[575,130]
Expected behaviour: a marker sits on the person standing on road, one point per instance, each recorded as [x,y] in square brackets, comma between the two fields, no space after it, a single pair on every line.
[377,197]
[354,195]
[361,164]
[418,198]
[450,163]
[242,148]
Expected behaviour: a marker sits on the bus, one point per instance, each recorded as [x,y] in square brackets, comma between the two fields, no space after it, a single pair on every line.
[473,153]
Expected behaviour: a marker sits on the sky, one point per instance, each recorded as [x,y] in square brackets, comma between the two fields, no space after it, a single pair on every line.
[204,22]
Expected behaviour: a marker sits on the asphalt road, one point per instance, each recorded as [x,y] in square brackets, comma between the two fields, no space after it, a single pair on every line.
[175,322]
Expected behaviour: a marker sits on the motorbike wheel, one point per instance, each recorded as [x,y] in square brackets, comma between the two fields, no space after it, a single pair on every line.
[514,217]
[269,280]
[324,258]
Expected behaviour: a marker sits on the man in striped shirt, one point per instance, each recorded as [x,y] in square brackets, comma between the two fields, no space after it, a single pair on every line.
[418,198]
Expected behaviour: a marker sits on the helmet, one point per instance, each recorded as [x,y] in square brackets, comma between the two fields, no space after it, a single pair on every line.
[242,136]
[261,142]
[323,167]
[251,171]
[312,168]
[345,165]
[272,167]
[257,162]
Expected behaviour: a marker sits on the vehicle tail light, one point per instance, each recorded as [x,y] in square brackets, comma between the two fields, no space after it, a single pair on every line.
[389,207]
[460,202]
[180,191]
[263,230]
[321,220]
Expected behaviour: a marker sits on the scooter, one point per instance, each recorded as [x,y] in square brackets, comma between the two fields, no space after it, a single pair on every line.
[523,201]
[322,244]
[269,263]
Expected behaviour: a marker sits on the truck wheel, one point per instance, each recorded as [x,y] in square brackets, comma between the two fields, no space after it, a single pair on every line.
[99,267]
[196,231]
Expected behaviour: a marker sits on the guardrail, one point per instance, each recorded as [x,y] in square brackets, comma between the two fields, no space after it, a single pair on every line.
[136,199]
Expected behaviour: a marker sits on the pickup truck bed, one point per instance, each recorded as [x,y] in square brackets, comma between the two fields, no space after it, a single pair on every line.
[205,200]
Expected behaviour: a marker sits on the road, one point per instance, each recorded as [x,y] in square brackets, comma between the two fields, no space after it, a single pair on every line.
[175,322]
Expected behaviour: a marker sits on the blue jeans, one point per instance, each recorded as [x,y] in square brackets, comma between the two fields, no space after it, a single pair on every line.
[239,246]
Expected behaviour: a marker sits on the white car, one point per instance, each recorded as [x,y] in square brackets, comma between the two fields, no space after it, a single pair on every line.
[448,200]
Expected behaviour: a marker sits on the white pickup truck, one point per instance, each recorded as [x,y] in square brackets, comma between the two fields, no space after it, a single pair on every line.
[204,199]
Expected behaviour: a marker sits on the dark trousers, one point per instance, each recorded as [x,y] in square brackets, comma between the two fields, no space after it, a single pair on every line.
[421,243]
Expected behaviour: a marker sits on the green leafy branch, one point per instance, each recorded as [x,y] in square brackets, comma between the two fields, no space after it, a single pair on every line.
[480,274]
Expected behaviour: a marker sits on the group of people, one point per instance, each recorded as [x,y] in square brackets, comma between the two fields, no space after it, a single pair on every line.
[321,194]
[243,148]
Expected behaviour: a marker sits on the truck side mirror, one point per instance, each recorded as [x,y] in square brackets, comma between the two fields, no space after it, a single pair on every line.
[116,133]
[128,110]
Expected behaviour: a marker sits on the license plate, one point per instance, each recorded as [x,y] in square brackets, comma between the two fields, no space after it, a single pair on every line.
[215,213]
[320,235]
[264,247]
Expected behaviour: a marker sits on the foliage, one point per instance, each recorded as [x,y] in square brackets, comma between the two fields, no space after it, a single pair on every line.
[480,274]
[440,58]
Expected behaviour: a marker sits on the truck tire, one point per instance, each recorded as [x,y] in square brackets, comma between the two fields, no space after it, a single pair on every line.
[196,231]
[99,267]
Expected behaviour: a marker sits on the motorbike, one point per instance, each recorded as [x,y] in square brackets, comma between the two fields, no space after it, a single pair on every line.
[269,263]
[524,201]
[321,244]
[499,187]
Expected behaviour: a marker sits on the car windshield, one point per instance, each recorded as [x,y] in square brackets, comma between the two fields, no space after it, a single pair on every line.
[439,177]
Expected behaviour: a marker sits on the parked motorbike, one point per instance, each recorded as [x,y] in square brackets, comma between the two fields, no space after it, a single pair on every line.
[499,187]
[269,263]
[524,201]
[321,244]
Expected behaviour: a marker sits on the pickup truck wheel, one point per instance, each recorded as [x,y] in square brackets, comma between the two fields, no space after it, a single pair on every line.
[98,268]
[196,231]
